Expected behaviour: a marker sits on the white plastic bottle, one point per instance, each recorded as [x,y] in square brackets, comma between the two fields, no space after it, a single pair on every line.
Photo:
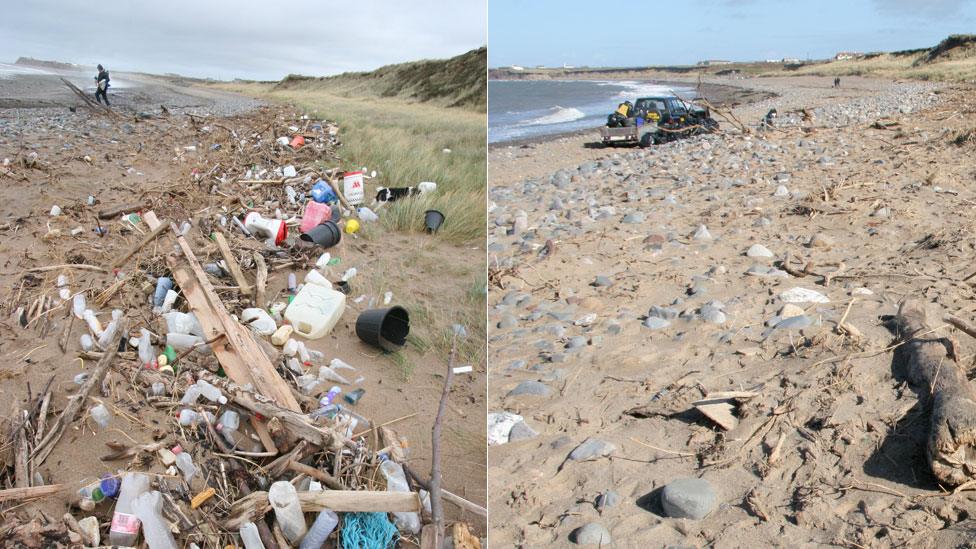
[210,392]
[284,500]
[78,306]
[324,524]
[185,464]
[87,343]
[125,526]
[228,425]
[94,326]
[101,415]
[396,481]
[148,508]
[188,417]
[147,354]
[250,536]
[106,338]
[63,291]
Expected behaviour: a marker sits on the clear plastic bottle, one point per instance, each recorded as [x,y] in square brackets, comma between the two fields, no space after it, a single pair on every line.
[78,306]
[185,464]
[338,364]
[396,481]
[148,508]
[292,282]
[188,417]
[94,326]
[324,524]
[284,500]
[147,354]
[108,334]
[349,274]
[163,285]
[228,424]
[210,392]
[125,526]
[250,536]
[101,415]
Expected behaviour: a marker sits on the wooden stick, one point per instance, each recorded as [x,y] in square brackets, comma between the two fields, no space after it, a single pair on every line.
[960,323]
[448,496]
[67,416]
[232,265]
[78,266]
[145,240]
[119,210]
[261,281]
[326,478]
[253,507]
[436,505]
[20,494]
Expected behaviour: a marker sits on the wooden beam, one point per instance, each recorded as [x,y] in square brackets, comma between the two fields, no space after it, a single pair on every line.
[261,282]
[240,355]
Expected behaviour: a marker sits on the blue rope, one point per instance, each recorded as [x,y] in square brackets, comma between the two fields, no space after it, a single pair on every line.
[368,531]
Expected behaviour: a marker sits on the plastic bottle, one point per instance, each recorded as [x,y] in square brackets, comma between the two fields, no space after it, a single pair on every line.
[78,306]
[94,326]
[328,374]
[163,285]
[259,321]
[125,525]
[158,388]
[147,354]
[182,342]
[168,301]
[109,485]
[292,282]
[108,334]
[87,343]
[91,495]
[331,396]
[188,417]
[185,463]
[101,415]
[210,392]
[284,500]
[148,508]
[324,524]
[322,192]
[396,481]
[323,260]
[183,323]
[349,274]
[339,364]
[250,536]
[227,426]
[63,291]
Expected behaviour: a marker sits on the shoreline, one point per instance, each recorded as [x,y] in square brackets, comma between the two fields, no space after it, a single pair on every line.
[718,94]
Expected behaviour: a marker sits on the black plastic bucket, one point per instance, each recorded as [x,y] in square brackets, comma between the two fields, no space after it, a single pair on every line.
[384,328]
[325,234]
[433,220]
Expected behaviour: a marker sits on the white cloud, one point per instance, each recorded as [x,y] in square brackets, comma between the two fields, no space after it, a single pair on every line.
[242,38]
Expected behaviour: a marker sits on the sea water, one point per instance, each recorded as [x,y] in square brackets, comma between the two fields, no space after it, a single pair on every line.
[522,109]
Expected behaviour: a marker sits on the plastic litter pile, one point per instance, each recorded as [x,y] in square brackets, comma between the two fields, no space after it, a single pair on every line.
[199,302]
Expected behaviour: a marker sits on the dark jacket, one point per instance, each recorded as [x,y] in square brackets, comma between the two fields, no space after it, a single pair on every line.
[103,75]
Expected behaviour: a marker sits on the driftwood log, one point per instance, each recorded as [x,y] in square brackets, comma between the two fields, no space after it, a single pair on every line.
[951,446]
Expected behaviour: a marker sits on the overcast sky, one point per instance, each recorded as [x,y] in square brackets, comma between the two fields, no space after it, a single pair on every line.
[628,33]
[229,39]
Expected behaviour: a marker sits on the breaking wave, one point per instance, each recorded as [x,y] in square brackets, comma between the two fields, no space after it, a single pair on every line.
[557,115]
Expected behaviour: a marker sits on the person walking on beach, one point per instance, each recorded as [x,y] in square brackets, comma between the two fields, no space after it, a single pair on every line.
[101,85]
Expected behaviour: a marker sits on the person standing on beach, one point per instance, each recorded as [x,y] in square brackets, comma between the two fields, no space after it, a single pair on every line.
[101,85]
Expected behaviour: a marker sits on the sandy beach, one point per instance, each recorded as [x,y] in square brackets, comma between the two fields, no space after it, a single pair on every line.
[629,283]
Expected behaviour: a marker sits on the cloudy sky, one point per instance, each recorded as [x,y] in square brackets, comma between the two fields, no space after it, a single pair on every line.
[628,33]
[229,39]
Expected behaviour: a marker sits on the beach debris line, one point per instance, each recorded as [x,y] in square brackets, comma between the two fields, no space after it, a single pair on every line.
[178,310]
